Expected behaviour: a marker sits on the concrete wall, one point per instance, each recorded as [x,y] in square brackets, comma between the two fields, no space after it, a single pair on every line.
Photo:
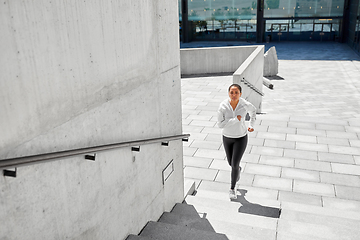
[78,74]
[244,62]
[213,60]
[252,71]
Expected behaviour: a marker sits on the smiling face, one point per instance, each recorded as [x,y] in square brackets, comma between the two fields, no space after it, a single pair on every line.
[234,93]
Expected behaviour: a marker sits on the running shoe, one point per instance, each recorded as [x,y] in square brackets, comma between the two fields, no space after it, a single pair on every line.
[232,194]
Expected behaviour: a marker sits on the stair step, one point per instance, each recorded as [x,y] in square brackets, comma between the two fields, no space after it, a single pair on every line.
[240,231]
[340,226]
[295,236]
[314,231]
[241,198]
[185,209]
[320,210]
[137,237]
[158,230]
[187,221]
[227,211]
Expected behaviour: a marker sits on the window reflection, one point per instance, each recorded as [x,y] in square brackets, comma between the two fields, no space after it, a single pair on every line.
[223,19]
[303,8]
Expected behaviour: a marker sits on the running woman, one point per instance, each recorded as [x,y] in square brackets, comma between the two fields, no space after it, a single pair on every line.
[231,118]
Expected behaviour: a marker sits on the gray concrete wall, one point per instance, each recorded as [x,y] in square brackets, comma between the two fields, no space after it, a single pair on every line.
[244,62]
[213,60]
[252,71]
[79,74]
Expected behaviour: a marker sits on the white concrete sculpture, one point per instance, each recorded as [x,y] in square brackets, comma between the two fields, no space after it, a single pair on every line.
[270,63]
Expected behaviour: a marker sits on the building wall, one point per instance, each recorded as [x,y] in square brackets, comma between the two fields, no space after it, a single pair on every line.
[76,74]
[351,28]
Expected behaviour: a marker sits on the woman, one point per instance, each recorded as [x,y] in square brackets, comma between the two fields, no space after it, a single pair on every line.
[231,118]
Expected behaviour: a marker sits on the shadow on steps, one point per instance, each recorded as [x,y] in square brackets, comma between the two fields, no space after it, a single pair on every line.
[255,209]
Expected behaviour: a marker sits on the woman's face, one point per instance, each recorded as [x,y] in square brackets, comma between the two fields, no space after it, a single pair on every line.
[234,93]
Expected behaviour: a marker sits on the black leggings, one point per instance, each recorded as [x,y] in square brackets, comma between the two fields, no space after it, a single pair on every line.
[234,149]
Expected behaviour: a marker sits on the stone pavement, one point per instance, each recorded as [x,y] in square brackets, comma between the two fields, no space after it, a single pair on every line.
[306,144]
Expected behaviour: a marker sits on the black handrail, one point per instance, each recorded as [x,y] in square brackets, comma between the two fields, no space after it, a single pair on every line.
[33,159]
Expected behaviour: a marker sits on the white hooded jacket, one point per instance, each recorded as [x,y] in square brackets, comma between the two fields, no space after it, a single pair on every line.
[228,121]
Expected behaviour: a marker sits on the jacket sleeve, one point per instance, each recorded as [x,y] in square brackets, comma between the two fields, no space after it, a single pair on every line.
[252,113]
[225,122]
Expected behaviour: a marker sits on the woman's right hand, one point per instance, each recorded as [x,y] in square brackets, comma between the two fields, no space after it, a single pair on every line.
[238,117]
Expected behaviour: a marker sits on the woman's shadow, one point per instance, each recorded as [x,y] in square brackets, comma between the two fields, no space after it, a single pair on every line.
[255,209]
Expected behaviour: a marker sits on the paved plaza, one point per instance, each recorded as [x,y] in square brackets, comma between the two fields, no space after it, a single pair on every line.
[306,144]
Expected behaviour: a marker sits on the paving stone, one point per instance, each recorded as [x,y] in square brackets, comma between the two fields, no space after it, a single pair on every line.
[345,168]
[338,134]
[282,130]
[213,130]
[357,160]
[293,173]
[311,132]
[345,192]
[340,179]
[208,153]
[225,177]
[330,127]
[205,144]
[275,123]
[277,161]
[313,165]
[250,158]
[346,228]
[352,128]
[187,151]
[270,151]
[344,150]
[354,143]
[260,128]
[309,231]
[200,173]
[333,141]
[220,165]
[192,129]
[354,122]
[301,138]
[291,153]
[213,137]
[265,170]
[341,204]
[279,144]
[269,135]
[301,125]
[321,189]
[251,191]
[256,141]
[300,198]
[320,210]
[202,123]
[194,135]
[333,157]
[312,147]
[272,183]
[197,162]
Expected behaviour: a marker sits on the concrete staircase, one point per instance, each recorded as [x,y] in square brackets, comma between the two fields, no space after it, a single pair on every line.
[183,222]
[211,215]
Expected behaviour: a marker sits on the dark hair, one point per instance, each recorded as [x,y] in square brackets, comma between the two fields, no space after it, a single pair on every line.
[235,85]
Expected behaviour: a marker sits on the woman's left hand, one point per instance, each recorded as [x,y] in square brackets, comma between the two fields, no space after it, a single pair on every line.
[250,129]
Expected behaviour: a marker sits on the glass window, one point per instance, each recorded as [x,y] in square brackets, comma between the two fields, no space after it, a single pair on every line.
[223,19]
[303,8]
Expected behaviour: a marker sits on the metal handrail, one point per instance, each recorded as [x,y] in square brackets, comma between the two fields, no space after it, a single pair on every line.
[33,159]
[247,83]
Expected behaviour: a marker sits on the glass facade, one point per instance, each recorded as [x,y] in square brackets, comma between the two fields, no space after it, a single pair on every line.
[357,31]
[283,20]
[222,19]
[303,8]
